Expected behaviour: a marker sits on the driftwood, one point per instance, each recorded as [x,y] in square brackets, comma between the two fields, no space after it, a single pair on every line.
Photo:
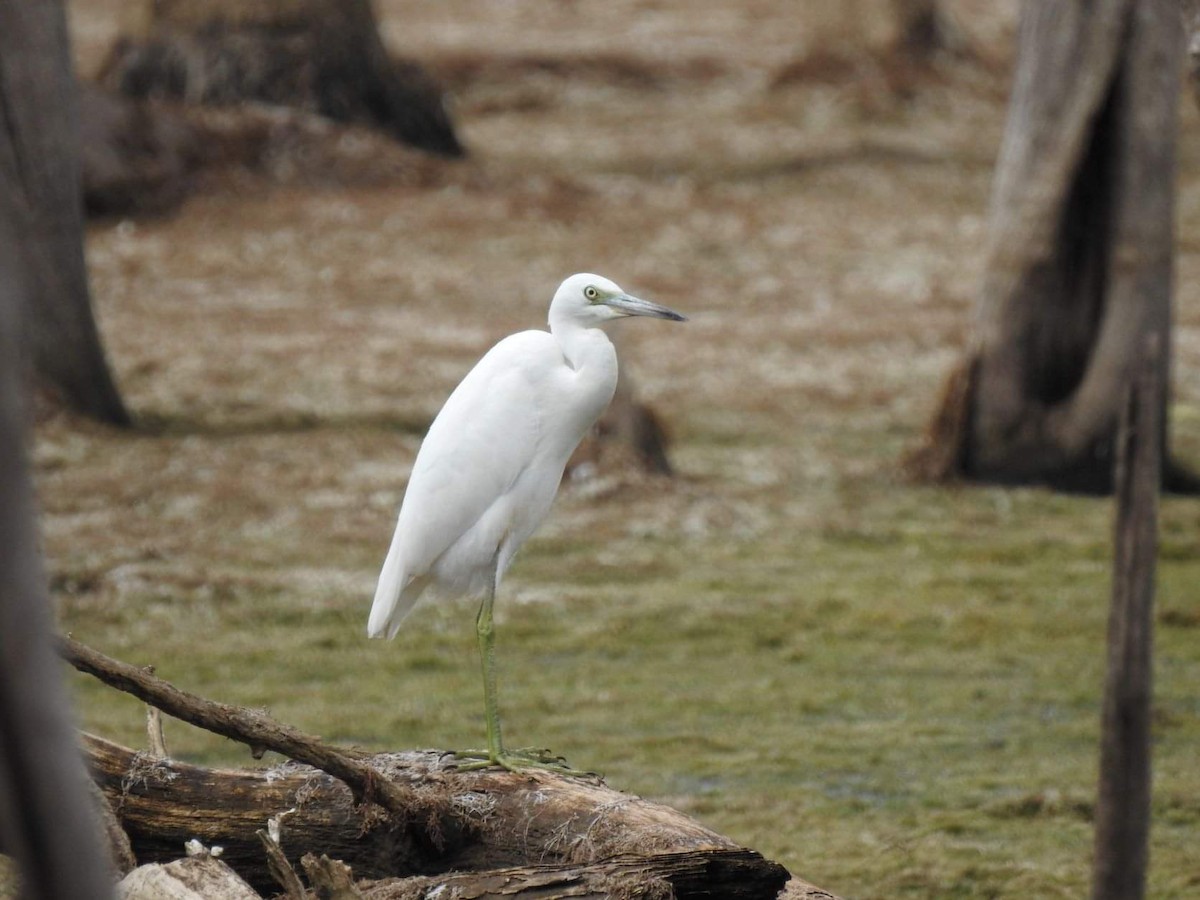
[474,821]
[198,877]
[405,816]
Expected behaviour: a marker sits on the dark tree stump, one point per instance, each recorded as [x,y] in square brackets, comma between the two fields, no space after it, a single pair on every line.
[324,56]
[136,159]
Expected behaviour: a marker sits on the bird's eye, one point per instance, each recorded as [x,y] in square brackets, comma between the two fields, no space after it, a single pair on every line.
[590,292]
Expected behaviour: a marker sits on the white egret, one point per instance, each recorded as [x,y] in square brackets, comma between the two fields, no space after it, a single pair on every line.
[488,470]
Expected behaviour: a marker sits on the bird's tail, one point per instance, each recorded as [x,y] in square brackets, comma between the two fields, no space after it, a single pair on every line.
[395,596]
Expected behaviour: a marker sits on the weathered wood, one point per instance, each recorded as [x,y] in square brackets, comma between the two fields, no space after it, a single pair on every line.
[331,879]
[466,820]
[277,864]
[1123,800]
[200,877]
[734,874]
[164,803]
[252,727]
[437,817]
[799,889]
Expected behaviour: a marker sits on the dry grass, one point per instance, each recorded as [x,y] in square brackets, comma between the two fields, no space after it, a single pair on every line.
[891,689]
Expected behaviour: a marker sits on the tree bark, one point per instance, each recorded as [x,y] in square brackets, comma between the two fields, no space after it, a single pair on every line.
[46,821]
[40,188]
[1080,259]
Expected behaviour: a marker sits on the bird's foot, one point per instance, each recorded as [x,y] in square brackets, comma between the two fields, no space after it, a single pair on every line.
[517,761]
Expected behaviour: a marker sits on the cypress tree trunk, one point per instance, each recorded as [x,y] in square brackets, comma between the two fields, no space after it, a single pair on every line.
[40,194]
[1080,254]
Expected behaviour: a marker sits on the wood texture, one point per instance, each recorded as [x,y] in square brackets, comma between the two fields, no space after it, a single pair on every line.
[464,820]
[1123,800]
[734,874]
[252,727]
[192,878]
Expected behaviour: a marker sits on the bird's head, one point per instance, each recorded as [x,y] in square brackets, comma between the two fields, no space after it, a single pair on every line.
[592,300]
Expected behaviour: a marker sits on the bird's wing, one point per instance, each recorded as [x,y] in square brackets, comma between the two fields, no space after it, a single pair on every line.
[479,444]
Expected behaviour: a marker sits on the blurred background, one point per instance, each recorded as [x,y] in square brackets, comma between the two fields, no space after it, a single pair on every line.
[891,688]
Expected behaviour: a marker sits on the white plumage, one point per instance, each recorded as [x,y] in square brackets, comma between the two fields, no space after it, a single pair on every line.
[488,469]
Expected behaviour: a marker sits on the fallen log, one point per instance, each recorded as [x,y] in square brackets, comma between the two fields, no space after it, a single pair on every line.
[395,816]
[474,821]
[715,873]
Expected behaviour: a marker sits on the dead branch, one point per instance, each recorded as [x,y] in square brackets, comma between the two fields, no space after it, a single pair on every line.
[252,727]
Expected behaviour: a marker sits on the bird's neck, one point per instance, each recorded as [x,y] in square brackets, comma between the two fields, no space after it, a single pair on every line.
[583,347]
[580,343]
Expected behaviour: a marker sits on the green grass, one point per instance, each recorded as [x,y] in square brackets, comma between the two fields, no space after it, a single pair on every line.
[900,701]
[893,690]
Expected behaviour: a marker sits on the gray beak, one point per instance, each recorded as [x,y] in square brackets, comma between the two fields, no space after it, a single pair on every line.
[634,306]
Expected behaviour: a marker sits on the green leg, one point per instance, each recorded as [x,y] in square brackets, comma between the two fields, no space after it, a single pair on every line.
[496,755]
[486,634]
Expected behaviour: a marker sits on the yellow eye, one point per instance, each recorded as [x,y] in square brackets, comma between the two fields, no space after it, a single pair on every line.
[590,292]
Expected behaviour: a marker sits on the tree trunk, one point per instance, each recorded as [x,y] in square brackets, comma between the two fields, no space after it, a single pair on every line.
[324,56]
[40,193]
[1080,251]
[46,822]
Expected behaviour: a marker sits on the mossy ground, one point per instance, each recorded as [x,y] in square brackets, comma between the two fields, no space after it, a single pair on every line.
[892,689]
